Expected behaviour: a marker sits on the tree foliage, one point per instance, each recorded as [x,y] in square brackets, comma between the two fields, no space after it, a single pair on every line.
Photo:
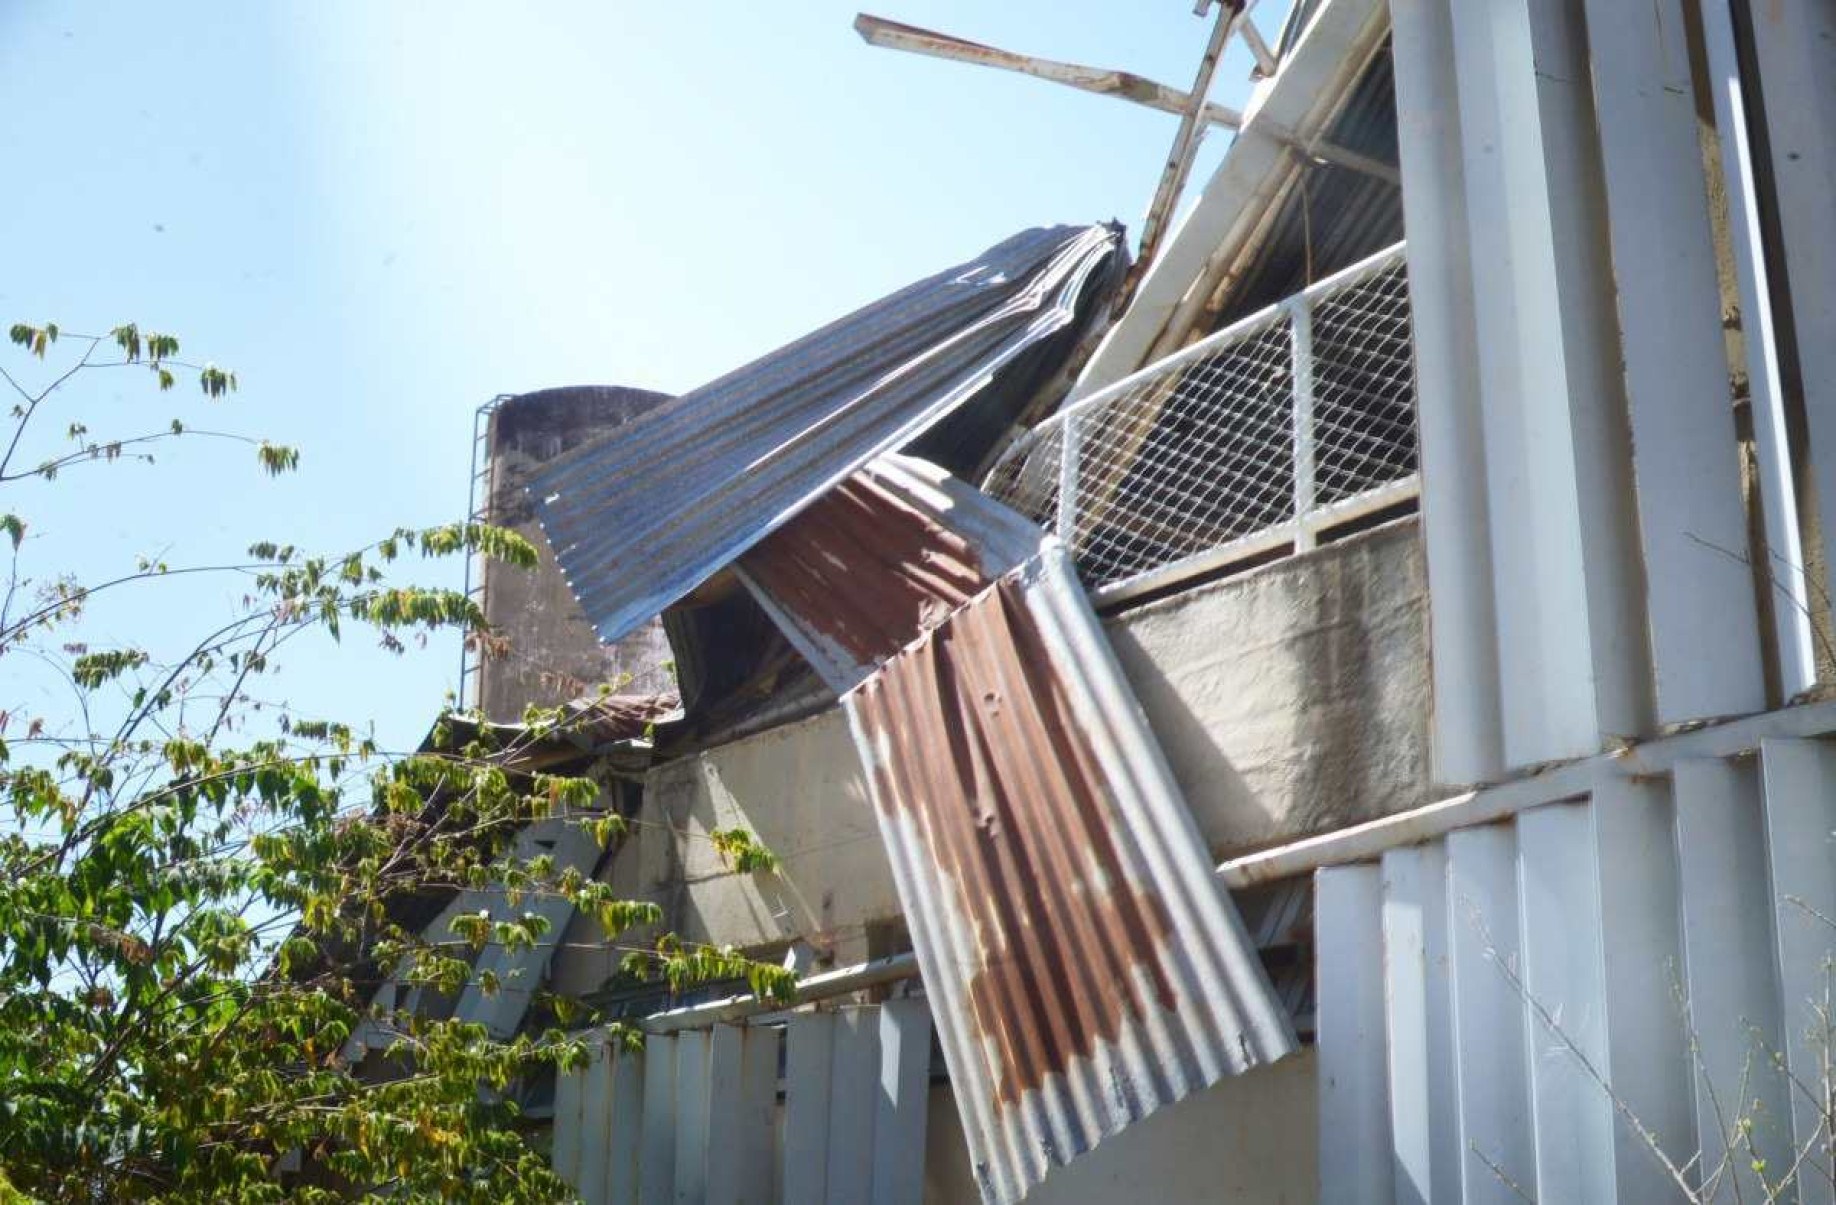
[201,889]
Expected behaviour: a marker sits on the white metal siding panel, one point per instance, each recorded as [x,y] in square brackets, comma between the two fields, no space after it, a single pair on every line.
[1635,864]
[1568,670]
[1424,1117]
[898,1126]
[692,1095]
[1794,45]
[1800,801]
[657,1158]
[1704,624]
[1355,1148]
[741,1114]
[756,1152]
[624,1143]
[595,1126]
[1498,1161]
[1731,980]
[1468,742]
[1563,980]
[1778,489]
[564,1154]
[809,1056]
[855,1083]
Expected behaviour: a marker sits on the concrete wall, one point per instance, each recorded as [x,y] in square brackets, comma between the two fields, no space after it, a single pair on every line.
[1249,1138]
[553,654]
[1291,700]
[799,790]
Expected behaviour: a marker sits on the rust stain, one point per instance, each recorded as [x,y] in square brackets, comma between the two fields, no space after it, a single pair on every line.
[867,570]
[976,738]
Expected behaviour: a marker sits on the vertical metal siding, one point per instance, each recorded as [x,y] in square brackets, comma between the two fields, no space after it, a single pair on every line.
[1703,620]
[1563,965]
[1666,935]
[1736,128]
[899,1111]
[1794,44]
[1423,1094]
[1355,1137]
[1468,738]
[695,1116]
[1569,643]
[1728,952]
[1497,1158]
[809,1062]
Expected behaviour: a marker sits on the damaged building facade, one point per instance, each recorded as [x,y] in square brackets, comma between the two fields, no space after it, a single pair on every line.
[1336,711]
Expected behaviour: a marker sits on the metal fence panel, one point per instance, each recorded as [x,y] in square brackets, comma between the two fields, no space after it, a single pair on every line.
[1294,419]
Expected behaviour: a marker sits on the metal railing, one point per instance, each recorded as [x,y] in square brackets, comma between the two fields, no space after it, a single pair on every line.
[1292,421]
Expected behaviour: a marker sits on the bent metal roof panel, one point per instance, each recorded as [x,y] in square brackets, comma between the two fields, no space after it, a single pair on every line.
[641,518]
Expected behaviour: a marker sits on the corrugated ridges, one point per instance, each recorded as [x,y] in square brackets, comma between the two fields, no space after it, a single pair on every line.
[641,518]
[1084,965]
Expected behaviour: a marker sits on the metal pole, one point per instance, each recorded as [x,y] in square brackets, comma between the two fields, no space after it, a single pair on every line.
[1300,345]
[1185,146]
[1123,85]
[1070,453]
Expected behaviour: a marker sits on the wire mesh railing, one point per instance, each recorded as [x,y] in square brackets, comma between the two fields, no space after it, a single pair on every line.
[1295,420]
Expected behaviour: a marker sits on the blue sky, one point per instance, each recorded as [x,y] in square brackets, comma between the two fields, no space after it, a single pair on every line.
[382,214]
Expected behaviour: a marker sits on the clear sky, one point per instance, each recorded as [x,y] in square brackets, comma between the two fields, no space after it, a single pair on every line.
[381,214]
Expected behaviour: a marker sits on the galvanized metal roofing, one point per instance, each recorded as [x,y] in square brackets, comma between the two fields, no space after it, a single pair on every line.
[641,518]
[1084,966]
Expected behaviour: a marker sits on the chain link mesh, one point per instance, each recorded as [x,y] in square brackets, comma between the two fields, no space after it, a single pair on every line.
[1202,455]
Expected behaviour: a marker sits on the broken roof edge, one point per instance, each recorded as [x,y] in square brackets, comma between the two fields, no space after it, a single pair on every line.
[1297,103]
[792,427]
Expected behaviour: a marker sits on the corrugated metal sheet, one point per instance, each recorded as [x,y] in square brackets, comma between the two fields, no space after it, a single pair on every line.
[888,554]
[1086,967]
[1593,1001]
[639,519]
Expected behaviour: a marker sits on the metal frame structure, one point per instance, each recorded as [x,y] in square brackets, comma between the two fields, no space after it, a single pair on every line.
[1061,443]
[479,493]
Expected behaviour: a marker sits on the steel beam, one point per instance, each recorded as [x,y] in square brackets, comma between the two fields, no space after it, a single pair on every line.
[1784,555]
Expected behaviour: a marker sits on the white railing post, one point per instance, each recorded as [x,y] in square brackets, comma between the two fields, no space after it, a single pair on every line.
[1069,454]
[1300,344]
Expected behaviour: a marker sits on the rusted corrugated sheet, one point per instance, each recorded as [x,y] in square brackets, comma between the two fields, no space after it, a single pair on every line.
[889,553]
[1084,966]
[644,516]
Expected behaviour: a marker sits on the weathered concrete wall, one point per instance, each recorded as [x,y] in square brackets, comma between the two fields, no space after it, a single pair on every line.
[1290,701]
[553,653]
[799,790]
[1248,1139]
[1295,699]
